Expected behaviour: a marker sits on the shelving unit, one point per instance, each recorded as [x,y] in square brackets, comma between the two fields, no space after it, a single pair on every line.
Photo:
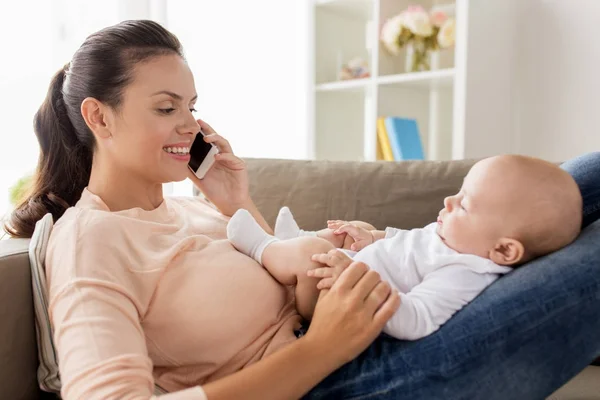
[448,102]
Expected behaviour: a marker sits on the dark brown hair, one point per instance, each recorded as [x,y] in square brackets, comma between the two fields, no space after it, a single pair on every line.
[101,68]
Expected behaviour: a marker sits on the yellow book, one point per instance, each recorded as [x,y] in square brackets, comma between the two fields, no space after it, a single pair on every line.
[379,151]
[383,141]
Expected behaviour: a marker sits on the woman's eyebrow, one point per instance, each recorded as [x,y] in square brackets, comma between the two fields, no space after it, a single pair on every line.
[173,95]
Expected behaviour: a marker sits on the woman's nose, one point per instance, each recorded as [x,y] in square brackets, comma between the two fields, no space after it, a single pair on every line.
[189,125]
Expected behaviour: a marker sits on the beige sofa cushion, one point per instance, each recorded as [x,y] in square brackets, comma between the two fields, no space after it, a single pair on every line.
[405,194]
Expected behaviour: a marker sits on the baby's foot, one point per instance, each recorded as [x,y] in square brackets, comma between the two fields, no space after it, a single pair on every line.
[247,236]
[286,226]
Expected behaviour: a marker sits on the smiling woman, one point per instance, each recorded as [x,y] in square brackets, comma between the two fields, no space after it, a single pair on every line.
[103,130]
[81,115]
[164,120]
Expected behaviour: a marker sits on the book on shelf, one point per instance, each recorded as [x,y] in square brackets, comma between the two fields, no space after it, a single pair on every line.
[383,142]
[398,139]
[379,152]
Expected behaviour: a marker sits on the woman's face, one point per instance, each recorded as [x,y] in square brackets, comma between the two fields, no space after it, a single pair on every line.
[154,127]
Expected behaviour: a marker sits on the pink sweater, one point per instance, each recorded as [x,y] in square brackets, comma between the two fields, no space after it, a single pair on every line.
[138,297]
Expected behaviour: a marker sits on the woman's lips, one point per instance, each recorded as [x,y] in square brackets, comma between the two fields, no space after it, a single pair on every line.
[180,157]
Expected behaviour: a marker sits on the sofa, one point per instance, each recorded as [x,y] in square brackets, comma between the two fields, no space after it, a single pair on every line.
[402,194]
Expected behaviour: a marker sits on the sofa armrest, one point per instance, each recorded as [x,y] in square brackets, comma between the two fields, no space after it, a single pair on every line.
[406,194]
[18,348]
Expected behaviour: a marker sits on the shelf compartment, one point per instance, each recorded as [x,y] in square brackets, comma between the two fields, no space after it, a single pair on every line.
[340,119]
[360,9]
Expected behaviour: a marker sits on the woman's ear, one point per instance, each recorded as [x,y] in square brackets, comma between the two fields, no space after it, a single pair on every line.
[507,251]
[97,117]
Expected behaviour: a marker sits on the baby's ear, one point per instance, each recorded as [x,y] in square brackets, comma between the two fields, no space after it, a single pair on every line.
[507,251]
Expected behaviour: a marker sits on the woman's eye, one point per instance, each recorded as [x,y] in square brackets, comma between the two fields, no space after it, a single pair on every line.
[166,110]
[193,109]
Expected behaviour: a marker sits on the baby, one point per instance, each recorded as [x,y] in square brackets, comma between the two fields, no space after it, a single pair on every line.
[510,210]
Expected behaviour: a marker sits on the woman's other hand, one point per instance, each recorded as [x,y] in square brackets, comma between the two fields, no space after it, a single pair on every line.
[226,182]
[350,315]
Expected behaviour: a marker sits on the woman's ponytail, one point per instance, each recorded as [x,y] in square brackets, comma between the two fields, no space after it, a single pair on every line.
[64,164]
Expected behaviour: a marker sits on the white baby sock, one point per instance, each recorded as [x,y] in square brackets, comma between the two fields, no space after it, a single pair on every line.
[247,236]
[286,226]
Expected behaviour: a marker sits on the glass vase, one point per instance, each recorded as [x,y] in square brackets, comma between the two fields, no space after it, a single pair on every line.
[417,57]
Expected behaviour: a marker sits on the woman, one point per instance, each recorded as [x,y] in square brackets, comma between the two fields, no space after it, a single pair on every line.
[142,290]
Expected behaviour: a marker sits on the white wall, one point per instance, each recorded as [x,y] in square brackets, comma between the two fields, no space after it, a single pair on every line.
[557,78]
[249,60]
[485,63]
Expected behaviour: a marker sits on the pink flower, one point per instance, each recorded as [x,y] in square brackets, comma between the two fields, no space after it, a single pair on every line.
[438,18]
[415,8]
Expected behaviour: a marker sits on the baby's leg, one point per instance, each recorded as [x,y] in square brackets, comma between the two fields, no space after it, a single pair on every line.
[289,260]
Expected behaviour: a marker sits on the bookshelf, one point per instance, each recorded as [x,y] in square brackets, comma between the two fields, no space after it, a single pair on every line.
[458,105]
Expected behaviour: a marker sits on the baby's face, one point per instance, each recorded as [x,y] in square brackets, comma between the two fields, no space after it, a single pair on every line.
[473,220]
[511,209]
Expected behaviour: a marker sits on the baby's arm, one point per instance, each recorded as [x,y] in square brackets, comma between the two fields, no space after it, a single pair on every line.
[435,300]
[341,240]
[357,234]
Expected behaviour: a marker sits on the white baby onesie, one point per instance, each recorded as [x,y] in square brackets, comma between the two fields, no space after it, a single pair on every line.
[434,281]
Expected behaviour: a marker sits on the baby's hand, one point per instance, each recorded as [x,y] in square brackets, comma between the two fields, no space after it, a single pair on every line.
[334,224]
[336,261]
[362,237]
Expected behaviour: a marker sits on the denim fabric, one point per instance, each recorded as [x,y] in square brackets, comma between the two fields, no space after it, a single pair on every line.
[522,338]
[586,171]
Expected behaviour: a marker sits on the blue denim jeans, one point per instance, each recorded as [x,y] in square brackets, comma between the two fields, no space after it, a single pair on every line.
[521,338]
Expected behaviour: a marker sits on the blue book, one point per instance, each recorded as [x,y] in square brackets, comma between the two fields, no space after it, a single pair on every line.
[404,138]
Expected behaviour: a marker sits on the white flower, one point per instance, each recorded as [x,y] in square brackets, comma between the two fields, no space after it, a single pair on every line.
[418,22]
[389,33]
[446,35]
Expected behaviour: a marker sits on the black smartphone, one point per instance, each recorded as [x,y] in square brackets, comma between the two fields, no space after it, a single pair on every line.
[202,156]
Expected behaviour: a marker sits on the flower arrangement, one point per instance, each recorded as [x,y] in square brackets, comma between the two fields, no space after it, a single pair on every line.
[419,31]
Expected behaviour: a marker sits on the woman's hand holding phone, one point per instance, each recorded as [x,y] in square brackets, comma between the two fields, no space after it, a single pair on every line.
[225,183]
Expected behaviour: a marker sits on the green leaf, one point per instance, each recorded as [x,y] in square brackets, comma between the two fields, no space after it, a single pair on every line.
[19,190]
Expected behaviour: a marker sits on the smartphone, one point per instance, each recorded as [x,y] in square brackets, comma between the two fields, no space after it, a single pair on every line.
[202,156]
